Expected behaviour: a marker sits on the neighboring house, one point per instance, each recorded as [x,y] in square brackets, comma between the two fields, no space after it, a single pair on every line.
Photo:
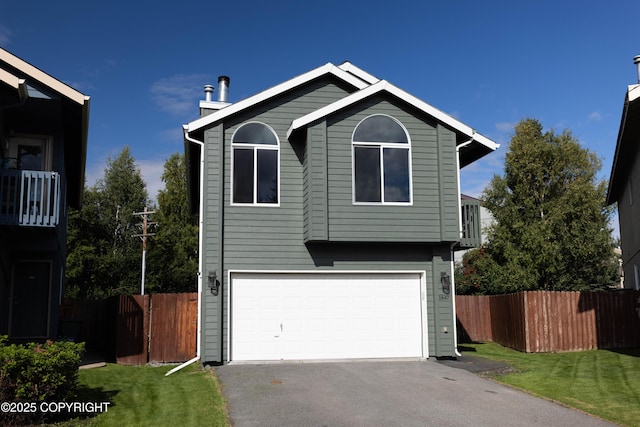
[329,208]
[473,213]
[624,184]
[43,141]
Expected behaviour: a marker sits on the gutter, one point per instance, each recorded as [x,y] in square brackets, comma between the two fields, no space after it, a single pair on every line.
[200,254]
[453,280]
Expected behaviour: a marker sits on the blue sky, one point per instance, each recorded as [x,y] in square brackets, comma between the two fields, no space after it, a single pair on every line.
[489,64]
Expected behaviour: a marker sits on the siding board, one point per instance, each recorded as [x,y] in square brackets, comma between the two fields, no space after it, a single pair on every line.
[316,205]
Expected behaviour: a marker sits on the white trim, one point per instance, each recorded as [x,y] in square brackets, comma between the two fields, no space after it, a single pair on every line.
[358,72]
[336,106]
[255,148]
[43,77]
[633,92]
[423,297]
[44,141]
[381,146]
[384,86]
[274,91]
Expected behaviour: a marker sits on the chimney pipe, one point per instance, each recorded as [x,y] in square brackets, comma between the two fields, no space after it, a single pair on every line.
[636,60]
[208,92]
[223,89]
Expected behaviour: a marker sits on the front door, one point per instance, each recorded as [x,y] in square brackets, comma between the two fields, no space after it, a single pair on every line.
[30,296]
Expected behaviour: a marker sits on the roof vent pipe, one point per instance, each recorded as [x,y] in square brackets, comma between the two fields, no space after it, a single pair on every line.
[636,60]
[223,89]
[208,93]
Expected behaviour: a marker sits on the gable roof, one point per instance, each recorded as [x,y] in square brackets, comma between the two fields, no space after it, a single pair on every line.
[483,145]
[627,144]
[30,81]
[365,85]
[41,77]
[327,69]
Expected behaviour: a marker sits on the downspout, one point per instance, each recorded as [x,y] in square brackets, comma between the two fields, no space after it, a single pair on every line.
[200,255]
[453,277]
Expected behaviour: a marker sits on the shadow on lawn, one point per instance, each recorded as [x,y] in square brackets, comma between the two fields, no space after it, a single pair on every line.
[635,352]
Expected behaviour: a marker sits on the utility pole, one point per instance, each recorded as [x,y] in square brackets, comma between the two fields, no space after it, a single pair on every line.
[145,224]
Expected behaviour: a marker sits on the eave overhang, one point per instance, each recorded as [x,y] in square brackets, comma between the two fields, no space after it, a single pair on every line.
[626,145]
[480,144]
[22,76]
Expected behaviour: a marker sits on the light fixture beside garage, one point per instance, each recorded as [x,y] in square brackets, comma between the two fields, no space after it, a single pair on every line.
[214,285]
[445,280]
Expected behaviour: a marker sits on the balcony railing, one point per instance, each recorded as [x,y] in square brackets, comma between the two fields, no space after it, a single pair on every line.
[471,233]
[29,198]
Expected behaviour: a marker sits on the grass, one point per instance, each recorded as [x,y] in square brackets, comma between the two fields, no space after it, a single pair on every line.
[143,396]
[599,382]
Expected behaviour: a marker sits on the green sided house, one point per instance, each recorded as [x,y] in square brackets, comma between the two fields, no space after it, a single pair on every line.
[43,143]
[329,209]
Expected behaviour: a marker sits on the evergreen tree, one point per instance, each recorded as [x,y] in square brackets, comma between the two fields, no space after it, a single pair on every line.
[172,263]
[104,257]
[551,229]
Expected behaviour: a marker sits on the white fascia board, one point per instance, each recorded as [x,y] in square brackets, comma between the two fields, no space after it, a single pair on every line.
[443,117]
[383,85]
[42,77]
[358,72]
[633,92]
[10,79]
[274,91]
[336,106]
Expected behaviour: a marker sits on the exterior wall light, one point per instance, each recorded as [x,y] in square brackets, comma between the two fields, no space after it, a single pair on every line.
[212,280]
[445,280]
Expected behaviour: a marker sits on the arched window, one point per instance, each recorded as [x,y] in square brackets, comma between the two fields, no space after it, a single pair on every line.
[381,161]
[255,160]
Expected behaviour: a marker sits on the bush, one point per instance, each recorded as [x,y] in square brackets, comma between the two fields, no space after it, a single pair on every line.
[37,372]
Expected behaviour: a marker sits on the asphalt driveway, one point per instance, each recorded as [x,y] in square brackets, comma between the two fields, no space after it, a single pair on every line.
[382,393]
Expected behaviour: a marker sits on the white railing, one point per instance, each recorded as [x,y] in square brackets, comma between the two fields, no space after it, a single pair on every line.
[29,198]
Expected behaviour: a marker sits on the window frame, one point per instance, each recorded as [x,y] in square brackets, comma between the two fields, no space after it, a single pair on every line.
[254,148]
[381,147]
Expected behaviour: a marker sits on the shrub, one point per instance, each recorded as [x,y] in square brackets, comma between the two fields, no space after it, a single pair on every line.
[37,372]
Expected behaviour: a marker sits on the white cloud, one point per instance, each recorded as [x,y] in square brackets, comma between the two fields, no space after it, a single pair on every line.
[178,95]
[5,35]
[505,127]
[151,170]
[595,117]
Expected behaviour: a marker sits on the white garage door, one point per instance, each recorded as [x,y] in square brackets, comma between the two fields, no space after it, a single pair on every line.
[325,316]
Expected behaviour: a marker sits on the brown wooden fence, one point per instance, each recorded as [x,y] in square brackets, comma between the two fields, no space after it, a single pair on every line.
[552,321]
[136,329]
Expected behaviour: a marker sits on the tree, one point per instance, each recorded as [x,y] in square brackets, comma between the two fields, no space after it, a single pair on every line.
[172,263]
[551,229]
[104,258]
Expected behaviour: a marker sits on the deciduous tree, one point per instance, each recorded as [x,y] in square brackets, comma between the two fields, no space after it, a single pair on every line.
[551,229]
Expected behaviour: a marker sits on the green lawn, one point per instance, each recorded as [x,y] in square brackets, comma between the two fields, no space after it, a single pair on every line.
[600,382]
[144,396]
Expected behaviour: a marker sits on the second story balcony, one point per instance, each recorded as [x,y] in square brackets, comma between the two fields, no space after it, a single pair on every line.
[471,233]
[29,198]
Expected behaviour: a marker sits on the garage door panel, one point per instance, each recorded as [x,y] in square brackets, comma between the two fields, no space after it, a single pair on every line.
[325,316]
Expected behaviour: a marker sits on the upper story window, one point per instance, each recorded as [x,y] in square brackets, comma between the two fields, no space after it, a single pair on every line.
[255,164]
[381,161]
[28,153]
